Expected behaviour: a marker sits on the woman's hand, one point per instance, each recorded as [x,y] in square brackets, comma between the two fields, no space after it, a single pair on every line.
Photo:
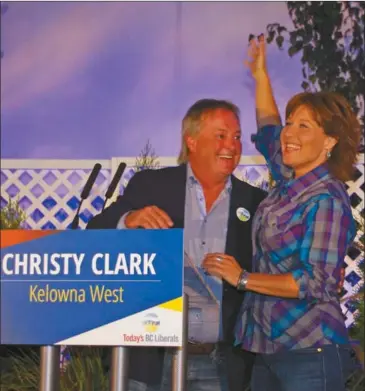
[257,57]
[223,266]
[227,268]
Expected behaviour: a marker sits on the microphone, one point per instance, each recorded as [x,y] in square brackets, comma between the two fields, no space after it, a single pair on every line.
[85,193]
[113,184]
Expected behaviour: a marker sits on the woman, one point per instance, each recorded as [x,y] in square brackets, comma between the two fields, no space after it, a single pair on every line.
[291,315]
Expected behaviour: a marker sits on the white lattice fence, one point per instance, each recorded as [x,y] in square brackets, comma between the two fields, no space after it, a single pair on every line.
[49,192]
[50,195]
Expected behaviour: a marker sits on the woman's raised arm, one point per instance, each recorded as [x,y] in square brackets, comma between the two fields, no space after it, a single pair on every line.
[267,112]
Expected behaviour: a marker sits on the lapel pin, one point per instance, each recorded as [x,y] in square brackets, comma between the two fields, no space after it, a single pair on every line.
[243,214]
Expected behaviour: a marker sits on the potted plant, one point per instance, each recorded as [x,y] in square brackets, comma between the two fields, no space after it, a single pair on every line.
[147,158]
[12,216]
[84,372]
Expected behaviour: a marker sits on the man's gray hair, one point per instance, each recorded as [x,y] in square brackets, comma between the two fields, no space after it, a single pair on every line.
[194,117]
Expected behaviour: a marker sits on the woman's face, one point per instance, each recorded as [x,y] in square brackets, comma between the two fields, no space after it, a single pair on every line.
[303,142]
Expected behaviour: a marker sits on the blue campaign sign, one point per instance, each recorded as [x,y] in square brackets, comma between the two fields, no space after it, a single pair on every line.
[92,287]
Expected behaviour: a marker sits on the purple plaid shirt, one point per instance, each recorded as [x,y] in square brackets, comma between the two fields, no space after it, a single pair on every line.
[303,227]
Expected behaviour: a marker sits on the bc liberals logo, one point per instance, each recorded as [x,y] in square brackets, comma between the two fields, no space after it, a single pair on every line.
[243,214]
[151,323]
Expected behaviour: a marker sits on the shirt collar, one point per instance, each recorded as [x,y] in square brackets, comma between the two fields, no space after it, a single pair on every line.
[192,180]
[296,186]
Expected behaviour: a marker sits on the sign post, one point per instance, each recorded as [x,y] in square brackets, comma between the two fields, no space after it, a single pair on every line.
[114,288]
[119,369]
[179,359]
[50,368]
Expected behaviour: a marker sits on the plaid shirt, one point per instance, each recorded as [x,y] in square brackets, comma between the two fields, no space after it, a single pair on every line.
[303,227]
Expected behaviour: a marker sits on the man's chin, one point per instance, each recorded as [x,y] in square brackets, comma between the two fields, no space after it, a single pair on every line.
[228,169]
[227,163]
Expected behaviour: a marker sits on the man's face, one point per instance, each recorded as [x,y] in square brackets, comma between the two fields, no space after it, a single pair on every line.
[217,147]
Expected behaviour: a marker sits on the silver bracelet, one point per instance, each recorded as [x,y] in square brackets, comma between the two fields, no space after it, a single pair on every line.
[242,281]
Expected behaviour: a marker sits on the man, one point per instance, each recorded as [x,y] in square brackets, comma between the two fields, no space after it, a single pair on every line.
[216,210]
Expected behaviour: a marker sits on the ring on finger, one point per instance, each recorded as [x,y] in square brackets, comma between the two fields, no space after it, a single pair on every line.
[219,259]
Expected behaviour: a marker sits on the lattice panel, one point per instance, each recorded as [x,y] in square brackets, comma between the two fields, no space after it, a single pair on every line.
[353,280]
[50,198]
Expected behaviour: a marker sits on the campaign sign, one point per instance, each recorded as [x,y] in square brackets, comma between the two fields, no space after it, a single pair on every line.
[92,287]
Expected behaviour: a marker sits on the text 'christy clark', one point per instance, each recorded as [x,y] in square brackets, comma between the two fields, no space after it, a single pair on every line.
[71,264]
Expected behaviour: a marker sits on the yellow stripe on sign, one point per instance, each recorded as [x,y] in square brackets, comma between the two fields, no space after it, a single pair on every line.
[175,305]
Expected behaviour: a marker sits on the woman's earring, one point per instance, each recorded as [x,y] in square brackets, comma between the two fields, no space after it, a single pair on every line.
[328,154]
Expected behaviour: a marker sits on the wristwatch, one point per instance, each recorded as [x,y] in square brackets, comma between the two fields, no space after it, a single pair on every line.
[242,281]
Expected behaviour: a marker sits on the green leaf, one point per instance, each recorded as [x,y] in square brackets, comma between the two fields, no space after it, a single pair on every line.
[312,78]
[270,37]
[292,51]
[304,73]
[295,49]
[279,41]
[305,86]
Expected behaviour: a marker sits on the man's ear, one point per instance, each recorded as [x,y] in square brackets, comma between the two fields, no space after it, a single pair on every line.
[190,143]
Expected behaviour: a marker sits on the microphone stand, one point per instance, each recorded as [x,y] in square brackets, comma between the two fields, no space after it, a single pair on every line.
[75,221]
[113,184]
[85,193]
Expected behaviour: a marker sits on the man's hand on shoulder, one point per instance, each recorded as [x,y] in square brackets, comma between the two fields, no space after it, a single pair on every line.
[148,217]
